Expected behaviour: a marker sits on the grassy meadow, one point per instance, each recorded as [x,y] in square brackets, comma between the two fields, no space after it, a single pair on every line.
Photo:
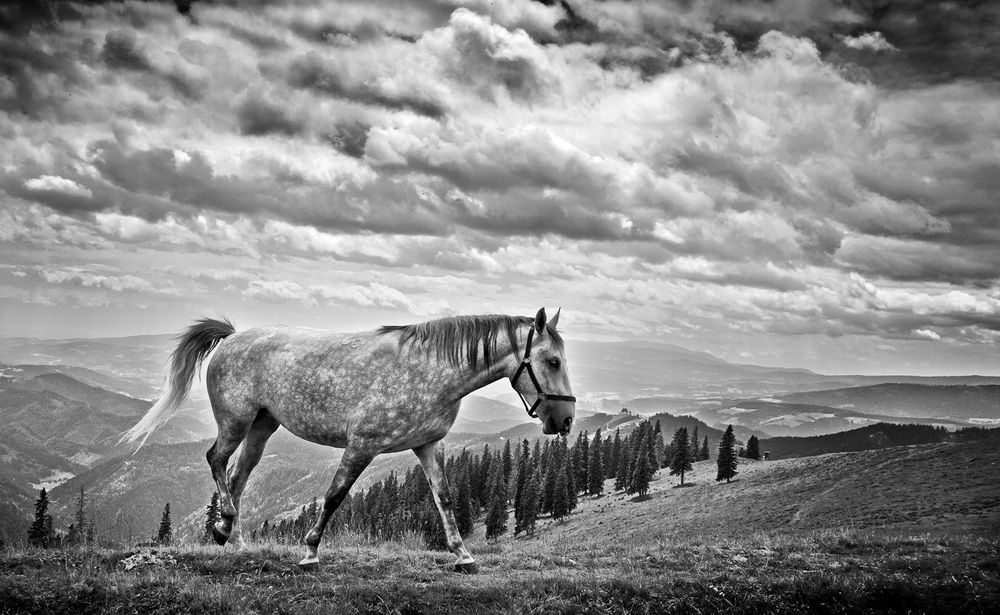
[826,572]
[901,530]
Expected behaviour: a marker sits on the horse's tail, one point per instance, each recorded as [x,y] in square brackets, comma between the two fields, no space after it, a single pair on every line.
[195,344]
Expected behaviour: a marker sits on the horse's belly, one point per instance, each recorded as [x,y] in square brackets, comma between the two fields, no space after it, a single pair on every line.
[321,425]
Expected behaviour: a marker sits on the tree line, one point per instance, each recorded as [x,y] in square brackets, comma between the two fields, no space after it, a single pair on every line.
[42,532]
[524,480]
[506,489]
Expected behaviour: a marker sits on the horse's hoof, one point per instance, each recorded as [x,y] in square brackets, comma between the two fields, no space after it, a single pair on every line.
[220,538]
[467,568]
[309,564]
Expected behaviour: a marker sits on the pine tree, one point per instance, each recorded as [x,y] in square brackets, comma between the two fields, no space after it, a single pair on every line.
[581,459]
[463,505]
[595,467]
[211,517]
[616,454]
[694,443]
[508,463]
[682,454]
[496,516]
[521,480]
[658,447]
[164,533]
[650,447]
[531,501]
[727,456]
[483,482]
[561,491]
[40,532]
[753,448]
[78,530]
[704,454]
[552,466]
[570,467]
[640,476]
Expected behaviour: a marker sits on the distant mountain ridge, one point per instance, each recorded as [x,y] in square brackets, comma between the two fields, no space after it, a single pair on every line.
[600,370]
[781,418]
[962,401]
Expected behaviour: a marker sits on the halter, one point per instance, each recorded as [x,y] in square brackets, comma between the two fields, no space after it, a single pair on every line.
[542,395]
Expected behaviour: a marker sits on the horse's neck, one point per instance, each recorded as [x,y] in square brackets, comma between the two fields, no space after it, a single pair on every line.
[503,363]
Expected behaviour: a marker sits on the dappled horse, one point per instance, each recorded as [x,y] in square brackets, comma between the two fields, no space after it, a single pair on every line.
[383,391]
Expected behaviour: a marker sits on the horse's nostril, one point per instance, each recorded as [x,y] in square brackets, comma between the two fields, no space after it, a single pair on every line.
[568,422]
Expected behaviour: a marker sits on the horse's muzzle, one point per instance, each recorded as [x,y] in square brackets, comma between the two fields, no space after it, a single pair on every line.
[551,426]
[566,426]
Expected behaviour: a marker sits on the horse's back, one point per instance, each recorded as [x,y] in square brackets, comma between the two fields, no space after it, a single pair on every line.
[305,378]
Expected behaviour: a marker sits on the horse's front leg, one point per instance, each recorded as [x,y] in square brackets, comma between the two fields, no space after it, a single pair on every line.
[352,464]
[431,458]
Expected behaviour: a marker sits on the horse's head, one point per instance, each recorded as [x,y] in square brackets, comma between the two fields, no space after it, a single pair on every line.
[542,378]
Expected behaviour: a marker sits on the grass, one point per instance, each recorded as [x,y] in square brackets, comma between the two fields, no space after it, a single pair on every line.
[827,572]
[918,532]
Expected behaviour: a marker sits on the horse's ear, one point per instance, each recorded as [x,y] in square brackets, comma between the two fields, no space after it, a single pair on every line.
[555,320]
[540,320]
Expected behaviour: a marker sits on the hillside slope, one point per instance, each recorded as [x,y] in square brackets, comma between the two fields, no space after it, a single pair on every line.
[937,488]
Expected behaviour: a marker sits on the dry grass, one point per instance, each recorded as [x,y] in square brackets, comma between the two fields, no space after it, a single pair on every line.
[828,571]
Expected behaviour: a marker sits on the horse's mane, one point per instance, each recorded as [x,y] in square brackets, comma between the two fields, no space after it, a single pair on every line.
[457,338]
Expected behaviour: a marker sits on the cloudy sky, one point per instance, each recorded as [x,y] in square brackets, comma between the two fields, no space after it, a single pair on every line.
[786,182]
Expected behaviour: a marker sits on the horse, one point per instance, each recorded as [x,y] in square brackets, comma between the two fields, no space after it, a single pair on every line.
[382,391]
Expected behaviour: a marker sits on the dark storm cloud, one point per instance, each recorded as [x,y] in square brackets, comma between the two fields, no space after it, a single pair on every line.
[936,41]
[27,68]
[364,31]
[920,261]
[122,50]
[258,115]
[349,138]
[327,76]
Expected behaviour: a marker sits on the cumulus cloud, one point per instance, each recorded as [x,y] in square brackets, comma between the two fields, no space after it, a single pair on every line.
[371,295]
[51,183]
[94,279]
[873,41]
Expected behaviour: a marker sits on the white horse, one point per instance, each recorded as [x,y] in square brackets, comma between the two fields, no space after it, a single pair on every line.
[383,391]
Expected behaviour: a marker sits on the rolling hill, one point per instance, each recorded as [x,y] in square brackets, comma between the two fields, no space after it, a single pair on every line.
[879,435]
[937,488]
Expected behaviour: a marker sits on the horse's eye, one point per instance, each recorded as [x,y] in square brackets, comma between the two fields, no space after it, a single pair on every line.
[554,363]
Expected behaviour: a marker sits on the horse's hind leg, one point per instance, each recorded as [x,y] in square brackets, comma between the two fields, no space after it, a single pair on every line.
[253,447]
[431,458]
[232,430]
[352,464]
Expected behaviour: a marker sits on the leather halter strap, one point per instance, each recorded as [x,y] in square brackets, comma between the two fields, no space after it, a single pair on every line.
[525,366]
